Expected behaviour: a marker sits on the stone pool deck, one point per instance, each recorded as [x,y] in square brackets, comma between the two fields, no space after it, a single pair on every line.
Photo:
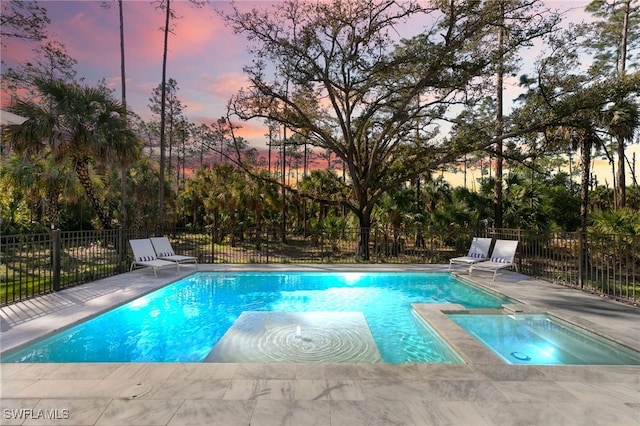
[485,391]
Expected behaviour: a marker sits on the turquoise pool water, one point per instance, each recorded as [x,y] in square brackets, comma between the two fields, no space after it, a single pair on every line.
[539,339]
[184,321]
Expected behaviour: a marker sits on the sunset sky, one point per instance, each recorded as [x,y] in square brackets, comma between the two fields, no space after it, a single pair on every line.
[205,56]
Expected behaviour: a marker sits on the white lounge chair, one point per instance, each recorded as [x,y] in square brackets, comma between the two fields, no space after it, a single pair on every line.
[145,256]
[504,251]
[164,251]
[478,252]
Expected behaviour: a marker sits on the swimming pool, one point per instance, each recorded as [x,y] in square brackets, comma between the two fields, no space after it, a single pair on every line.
[185,321]
[540,339]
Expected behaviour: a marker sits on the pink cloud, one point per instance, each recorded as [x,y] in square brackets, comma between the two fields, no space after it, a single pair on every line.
[225,85]
[205,56]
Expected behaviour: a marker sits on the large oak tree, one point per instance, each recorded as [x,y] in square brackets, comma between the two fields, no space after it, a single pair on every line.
[336,74]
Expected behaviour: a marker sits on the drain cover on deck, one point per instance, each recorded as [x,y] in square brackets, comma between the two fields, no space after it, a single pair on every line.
[297,337]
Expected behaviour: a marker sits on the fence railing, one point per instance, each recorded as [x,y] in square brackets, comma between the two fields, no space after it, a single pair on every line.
[35,264]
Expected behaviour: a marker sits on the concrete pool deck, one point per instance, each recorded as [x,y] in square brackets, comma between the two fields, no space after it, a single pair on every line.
[485,391]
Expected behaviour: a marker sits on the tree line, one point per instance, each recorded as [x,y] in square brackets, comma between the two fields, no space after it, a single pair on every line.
[359,123]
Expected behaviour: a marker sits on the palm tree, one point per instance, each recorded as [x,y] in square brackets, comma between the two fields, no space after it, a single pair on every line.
[43,180]
[82,125]
[583,136]
[321,187]
[622,120]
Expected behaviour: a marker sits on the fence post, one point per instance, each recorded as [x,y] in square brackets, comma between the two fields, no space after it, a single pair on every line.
[376,251]
[582,257]
[56,253]
[122,251]
[213,245]
[266,234]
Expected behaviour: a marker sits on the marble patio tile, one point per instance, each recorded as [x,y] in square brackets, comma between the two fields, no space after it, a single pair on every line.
[81,371]
[142,371]
[212,371]
[266,371]
[80,411]
[532,391]
[247,389]
[14,416]
[115,388]
[310,371]
[335,390]
[144,412]
[306,389]
[31,371]
[11,387]
[602,392]
[621,373]
[599,414]
[512,372]
[213,413]
[11,370]
[191,389]
[341,371]
[58,389]
[370,413]
[442,413]
[449,372]
[345,390]
[388,371]
[465,390]
[587,373]
[523,414]
[291,413]
[403,390]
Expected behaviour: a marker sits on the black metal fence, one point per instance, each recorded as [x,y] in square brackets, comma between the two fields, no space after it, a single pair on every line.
[35,264]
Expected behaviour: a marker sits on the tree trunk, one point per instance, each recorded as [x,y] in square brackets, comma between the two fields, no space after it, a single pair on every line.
[622,185]
[81,166]
[622,194]
[585,147]
[162,117]
[54,208]
[284,189]
[497,190]
[364,232]
[123,177]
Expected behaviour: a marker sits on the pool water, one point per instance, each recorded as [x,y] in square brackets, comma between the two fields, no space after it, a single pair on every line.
[184,321]
[539,339]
